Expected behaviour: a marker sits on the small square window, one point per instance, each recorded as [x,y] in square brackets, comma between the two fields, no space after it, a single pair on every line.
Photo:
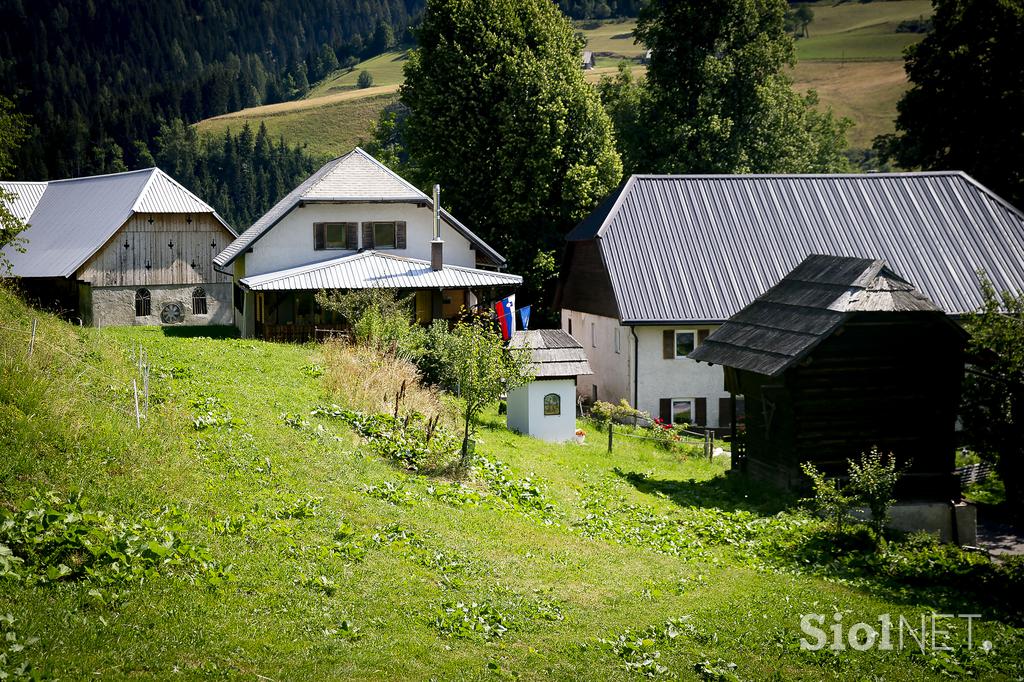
[682,411]
[686,341]
[383,235]
[334,236]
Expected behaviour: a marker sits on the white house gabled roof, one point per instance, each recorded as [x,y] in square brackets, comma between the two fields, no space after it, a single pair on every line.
[355,177]
[70,220]
[375,270]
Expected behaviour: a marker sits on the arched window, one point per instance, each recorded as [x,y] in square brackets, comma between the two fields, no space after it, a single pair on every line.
[142,303]
[552,404]
[199,301]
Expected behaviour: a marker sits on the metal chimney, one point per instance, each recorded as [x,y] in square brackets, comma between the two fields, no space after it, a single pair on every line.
[437,244]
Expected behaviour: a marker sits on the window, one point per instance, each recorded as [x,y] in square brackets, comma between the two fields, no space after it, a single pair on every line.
[239,297]
[570,326]
[334,236]
[384,236]
[682,411]
[686,341]
[593,334]
[142,303]
[618,340]
[593,395]
[199,301]
[552,404]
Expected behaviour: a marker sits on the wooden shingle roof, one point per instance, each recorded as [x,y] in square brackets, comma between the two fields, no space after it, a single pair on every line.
[783,325]
[553,353]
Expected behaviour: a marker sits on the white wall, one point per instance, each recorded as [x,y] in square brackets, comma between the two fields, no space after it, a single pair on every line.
[290,243]
[677,378]
[613,371]
[526,410]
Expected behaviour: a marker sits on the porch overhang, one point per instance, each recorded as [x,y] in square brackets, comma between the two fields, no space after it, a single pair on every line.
[376,270]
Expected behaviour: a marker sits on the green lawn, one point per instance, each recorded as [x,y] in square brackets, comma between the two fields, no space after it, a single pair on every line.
[341,566]
[860,31]
[614,38]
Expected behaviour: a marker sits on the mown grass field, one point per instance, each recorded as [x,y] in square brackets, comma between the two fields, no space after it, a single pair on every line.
[244,537]
[386,69]
[328,126]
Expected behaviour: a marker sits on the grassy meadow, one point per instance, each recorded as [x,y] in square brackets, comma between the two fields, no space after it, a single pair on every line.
[246,532]
[852,58]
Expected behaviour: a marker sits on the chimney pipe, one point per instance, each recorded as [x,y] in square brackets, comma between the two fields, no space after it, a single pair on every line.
[437,244]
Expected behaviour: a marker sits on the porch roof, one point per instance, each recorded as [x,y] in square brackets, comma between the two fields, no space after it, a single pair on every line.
[375,270]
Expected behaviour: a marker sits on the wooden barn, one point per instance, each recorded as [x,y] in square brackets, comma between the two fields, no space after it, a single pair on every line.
[132,248]
[840,356]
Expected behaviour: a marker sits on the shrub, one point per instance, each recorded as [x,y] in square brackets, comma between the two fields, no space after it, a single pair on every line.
[380,319]
[873,479]
[365,79]
[829,500]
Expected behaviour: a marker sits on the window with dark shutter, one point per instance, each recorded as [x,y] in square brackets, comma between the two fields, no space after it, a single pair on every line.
[701,335]
[701,417]
[351,236]
[400,231]
[385,235]
[318,237]
[668,344]
[367,229]
[665,410]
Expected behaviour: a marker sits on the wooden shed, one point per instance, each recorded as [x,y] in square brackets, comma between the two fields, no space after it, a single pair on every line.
[840,356]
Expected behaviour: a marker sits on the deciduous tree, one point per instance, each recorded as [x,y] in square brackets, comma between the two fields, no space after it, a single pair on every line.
[965,106]
[992,408]
[12,131]
[718,99]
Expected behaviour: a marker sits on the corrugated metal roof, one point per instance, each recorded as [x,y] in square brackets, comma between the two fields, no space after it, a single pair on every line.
[553,352]
[783,325]
[73,218]
[26,196]
[372,269]
[699,248]
[353,178]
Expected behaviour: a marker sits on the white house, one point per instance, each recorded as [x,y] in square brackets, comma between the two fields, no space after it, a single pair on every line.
[121,249]
[665,260]
[355,224]
[545,408]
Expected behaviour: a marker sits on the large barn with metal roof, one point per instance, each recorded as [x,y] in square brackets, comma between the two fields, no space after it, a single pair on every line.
[665,260]
[121,249]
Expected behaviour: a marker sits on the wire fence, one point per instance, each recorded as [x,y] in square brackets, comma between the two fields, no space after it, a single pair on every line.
[706,438]
[139,408]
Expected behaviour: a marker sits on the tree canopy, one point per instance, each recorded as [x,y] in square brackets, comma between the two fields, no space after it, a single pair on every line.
[716,99]
[12,131]
[965,107]
[500,115]
[992,405]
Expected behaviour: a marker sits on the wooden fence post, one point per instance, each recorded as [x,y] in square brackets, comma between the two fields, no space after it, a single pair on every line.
[32,339]
[611,427]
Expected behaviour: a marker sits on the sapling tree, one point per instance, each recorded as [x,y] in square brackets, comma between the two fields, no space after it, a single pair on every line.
[476,365]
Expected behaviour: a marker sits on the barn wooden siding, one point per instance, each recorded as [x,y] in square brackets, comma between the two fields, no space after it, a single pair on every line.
[885,380]
[198,241]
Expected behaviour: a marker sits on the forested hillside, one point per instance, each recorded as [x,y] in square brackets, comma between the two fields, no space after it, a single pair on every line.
[99,78]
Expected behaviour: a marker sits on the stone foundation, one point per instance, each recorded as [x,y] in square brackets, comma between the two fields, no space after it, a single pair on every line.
[115,306]
[936,518]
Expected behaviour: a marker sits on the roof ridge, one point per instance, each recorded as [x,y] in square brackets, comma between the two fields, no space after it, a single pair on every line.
[798,176]
[103,175]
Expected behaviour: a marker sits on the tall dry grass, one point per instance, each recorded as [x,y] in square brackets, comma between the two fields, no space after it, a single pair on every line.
[366,379]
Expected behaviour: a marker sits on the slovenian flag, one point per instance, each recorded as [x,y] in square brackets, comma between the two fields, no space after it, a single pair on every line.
[506,311]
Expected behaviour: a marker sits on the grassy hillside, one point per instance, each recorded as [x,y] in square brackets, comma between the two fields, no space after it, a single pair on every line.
[328,126]
[853,58]
[239,535]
